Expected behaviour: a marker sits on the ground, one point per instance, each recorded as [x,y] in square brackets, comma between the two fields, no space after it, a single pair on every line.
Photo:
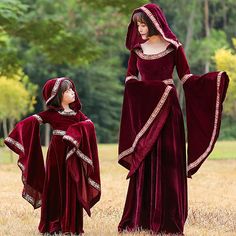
[212,198]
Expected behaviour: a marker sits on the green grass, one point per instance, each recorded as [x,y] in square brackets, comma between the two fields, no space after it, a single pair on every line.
[222,150]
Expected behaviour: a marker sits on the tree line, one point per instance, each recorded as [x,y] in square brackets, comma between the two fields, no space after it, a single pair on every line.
[84,40]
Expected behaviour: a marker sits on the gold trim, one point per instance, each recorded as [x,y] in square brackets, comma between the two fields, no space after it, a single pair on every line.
[39,119]
[72,140]
[58,132]
[154,21]
[84,157]
[168,81]
[70,153]
[79,154]
[15,143]
[148,123]
[131,77]
[153,56]
[94,184]
[25,195]
[55,89]
[204,155]
[185,78]
[67,113]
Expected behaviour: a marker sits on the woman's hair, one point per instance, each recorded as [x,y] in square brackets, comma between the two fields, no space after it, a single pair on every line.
[65,85]
[143,18]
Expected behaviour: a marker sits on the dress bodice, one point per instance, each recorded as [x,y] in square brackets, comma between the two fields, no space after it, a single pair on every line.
[158,66]
[61,120]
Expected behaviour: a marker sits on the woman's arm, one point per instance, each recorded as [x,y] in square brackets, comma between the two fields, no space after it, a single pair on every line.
[132,70]
[182,66]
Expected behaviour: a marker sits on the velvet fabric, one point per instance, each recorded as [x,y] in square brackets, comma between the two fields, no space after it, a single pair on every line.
[152,138]
[50,90]
[69,182]
[158,19]
[28,148]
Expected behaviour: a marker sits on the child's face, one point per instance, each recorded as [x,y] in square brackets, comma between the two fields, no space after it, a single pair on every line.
[68,96]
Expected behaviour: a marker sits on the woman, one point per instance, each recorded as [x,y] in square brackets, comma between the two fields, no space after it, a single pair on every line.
[71,180]
[152,139]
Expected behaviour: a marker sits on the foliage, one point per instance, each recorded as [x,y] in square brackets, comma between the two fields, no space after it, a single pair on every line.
[84,40]
[16,101]
[226,60]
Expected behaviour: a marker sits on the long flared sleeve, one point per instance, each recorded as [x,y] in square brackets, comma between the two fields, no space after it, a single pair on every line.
[141,124]
[24,140]
[82,162]
[132,70]
[204,97]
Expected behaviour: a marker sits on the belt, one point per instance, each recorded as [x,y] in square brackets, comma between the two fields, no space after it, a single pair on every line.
[168,81]
[58,132]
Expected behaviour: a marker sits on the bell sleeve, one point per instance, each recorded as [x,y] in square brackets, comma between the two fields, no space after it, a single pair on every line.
[82,163]
[204,97]
[132,71]
[24,140]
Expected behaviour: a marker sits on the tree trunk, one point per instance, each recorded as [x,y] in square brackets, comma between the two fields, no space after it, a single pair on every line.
[47,131]
[224,14]
[207,29]
[5,131]
[11,124]
[190,28]
[188,39]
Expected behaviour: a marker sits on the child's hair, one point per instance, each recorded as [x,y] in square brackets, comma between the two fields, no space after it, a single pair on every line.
[141,17]
[65,85]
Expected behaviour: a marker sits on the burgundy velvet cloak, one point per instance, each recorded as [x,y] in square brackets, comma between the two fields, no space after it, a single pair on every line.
[71,180]
[152,138]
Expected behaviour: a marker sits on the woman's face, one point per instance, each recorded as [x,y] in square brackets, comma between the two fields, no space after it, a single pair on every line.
[68,96]
[142,29]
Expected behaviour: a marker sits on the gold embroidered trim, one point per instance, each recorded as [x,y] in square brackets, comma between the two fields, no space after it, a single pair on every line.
[70,153]
[94,184]
[154,21]
[72,140]
[21,166]
[55,89]
[67,113]
[203,156]
[131,77]
[58,132]
[148,123]
[31,200]
[153,56]
[84,157]
[168,81]
[185,78]
[15,143]
[25,195]
[39,119]
[80,154]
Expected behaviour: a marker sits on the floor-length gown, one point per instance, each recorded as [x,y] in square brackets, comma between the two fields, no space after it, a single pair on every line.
[152,136]
[70,180]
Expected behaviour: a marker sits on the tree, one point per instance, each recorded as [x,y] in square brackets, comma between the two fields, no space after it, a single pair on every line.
[15,100]
[226,60]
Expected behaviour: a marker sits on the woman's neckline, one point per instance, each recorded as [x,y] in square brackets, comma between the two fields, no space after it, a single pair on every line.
[155,54]
[158,55]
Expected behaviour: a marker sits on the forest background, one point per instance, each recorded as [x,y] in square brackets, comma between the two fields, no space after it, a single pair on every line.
[85,41]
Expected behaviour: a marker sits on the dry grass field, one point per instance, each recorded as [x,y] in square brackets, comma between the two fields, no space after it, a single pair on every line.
[212,200]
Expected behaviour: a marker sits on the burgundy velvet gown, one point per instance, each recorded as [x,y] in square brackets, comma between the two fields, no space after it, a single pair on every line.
[71,181]
[152,137]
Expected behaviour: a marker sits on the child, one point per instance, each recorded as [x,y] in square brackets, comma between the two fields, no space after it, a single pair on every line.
[71,180]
